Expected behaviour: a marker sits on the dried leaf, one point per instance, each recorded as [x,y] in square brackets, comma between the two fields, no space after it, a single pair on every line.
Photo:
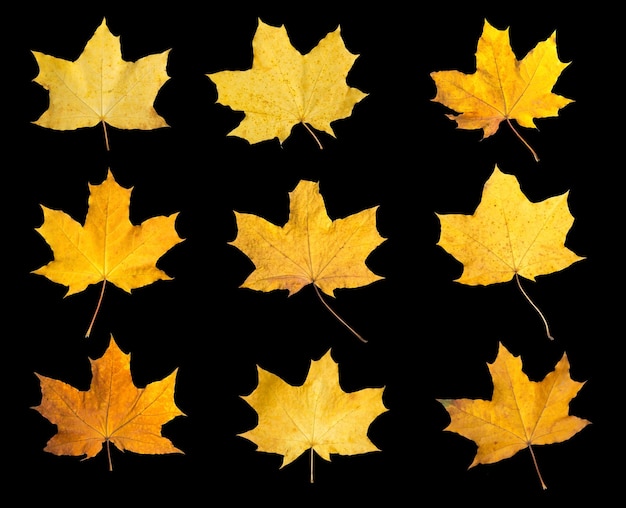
[113,410]
[508,235]
[108,247]
[310,248]
[503,88]
[100,87]
[285,88]
[521,412]
[317,415]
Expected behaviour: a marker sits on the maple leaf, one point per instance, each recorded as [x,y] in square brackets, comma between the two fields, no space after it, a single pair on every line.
[100,87]
[509,236]
[113,410]
[285,88]
[503,88]
[521,412]
[108,247]
[317,415]
[310,248]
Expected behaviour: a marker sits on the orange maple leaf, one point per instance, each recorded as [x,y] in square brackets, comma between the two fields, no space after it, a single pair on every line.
[503,88]
[521,412]
[113,410]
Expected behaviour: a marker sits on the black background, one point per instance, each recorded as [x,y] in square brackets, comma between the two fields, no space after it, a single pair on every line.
[429,337]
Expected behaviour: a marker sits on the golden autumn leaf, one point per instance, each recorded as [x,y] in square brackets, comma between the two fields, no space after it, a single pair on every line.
[108,247]
[101,87]
[310,248]
[285,88]
[521,412]
[317,415]
[503,88]
[508,235]
[113,410]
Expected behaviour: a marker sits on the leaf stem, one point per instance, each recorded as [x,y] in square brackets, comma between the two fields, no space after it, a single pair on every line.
[545,322]
[357,335]
[536,157]
[109,455]
[311,462]
[106,136]
[532,454]
[319,143]
[93,319]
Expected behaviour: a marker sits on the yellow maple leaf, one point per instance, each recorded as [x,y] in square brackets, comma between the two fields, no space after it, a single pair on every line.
[285,88]
[508,236]
[310,248]
[108,247]
[317,415]
[113,410]
[521,412]
[100,87]
[503,88]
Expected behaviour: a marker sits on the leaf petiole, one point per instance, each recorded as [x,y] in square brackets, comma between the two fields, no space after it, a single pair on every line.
[93,319]
[109,455]
[535,156]
[319,143]
[319,295]
[545,322]
[532,454]
[106,136]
